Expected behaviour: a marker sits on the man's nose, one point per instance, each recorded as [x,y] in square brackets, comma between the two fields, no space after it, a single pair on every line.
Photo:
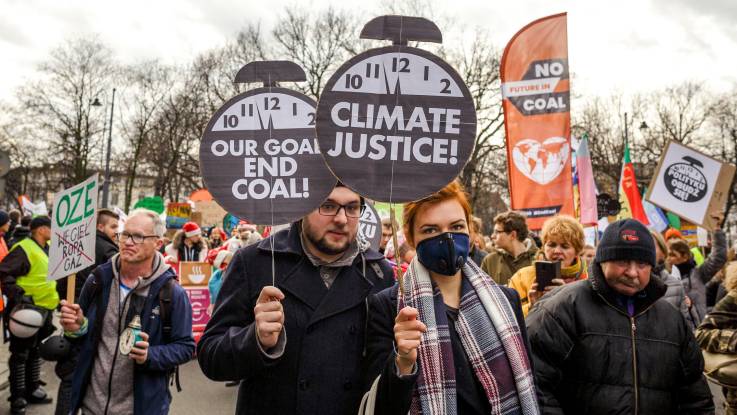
[341,216]
[631,269]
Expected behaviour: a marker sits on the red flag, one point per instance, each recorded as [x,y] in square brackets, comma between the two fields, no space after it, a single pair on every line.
[629,194]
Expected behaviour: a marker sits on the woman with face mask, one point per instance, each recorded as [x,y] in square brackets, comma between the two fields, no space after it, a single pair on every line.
[453,341]
[562,241]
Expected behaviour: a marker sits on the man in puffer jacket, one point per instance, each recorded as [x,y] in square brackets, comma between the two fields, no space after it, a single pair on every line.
[695,277]
[607,345]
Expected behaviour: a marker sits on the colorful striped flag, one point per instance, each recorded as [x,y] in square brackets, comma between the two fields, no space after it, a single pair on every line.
[629,194]
[586,185]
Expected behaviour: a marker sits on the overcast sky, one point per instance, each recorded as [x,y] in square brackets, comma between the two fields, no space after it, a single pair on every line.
[627,46]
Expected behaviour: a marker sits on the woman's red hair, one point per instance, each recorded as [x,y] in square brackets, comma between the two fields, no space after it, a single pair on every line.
[453,191]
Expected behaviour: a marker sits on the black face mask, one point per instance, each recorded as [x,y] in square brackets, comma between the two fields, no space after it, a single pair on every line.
[444,254]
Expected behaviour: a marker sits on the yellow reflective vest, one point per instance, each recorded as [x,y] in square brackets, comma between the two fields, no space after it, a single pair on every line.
[34,283]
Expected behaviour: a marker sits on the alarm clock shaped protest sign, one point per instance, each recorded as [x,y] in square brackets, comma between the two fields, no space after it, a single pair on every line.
[259,156]
[396,123]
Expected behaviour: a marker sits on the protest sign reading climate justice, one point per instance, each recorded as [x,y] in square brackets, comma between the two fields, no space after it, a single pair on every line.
[259,156]
[396,123]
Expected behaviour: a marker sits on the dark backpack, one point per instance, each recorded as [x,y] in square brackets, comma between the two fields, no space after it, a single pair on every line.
[165,296]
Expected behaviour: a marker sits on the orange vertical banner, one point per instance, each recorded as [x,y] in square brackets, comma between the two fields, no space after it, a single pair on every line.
[537,121]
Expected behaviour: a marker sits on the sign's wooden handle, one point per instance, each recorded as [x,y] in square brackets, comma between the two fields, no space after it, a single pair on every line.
[397,258]
[71,282]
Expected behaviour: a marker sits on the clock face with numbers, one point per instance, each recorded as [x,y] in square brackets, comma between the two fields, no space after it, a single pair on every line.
[369,226]
[260,158]
[396,124]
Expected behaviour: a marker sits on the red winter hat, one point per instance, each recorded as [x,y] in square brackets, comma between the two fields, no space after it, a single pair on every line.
[191,229]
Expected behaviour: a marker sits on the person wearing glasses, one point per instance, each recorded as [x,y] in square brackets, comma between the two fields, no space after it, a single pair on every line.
[117,372]
[105,248]
[513,249]
[296,344]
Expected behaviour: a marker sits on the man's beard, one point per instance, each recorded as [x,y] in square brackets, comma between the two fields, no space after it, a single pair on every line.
[322,244]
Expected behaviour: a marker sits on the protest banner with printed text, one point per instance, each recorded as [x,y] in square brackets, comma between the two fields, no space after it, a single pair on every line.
[396,123]
[259,156]
[73,229]
[536,102]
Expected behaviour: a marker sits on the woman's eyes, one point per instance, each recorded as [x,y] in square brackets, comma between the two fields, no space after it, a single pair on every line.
[459,227]
[428,230]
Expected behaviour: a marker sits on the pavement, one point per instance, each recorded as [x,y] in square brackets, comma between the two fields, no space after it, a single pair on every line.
[199,395]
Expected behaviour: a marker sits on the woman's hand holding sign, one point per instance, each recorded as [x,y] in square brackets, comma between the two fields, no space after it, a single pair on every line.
[407,335]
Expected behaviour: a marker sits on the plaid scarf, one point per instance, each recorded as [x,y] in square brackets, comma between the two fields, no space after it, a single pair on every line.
[489,331]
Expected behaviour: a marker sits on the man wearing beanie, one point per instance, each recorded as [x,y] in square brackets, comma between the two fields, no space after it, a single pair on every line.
[608,345]
[23,276]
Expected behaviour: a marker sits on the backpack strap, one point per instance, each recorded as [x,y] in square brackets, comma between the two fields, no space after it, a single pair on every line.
[165,308]
[165,296]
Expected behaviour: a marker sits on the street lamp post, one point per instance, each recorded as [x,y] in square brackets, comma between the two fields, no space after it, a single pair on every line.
[106,183]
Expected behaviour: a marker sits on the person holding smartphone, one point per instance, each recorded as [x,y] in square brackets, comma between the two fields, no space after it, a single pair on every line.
[563,240]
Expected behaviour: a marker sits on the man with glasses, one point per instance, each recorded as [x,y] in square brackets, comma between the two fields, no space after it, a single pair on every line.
[513,250]
[105,248]
[296,344]
[114,375]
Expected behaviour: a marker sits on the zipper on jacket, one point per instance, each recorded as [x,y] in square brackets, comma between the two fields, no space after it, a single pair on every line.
[117,346]
[633,329]
[634,365]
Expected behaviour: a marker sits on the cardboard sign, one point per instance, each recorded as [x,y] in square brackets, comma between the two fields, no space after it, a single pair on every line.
[199,298]
[32,209]
[259,156]
[212,213]
[177,214]
[690,184]
[369,225]
[194,273]
[73,229]
[396,123]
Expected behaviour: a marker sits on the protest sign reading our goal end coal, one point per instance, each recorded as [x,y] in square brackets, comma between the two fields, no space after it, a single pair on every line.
[259,156]
[73,229]
[690,184]
[396,123]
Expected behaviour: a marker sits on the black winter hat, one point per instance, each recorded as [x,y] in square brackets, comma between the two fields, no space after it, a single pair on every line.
[4,217]
[40,221]
[626,239]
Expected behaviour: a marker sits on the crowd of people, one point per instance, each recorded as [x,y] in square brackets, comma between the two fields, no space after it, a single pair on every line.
[312,319]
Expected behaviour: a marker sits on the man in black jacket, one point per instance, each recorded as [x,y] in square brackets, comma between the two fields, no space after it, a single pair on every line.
[296,344]
[607,345]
